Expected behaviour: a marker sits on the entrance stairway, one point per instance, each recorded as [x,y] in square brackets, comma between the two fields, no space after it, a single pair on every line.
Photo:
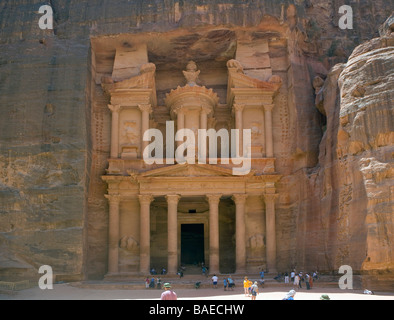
[191,276]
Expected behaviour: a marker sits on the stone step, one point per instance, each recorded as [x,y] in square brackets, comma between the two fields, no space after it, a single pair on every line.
[139,284]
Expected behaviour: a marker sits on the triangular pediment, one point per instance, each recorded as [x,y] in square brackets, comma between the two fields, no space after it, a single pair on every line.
[188,170]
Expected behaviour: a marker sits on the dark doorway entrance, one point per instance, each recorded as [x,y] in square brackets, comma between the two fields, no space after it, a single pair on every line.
[192,243]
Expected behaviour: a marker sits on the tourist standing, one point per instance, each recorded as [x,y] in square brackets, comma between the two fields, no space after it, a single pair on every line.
[246,286]
[152,283]
[225,284]
[215,281]
[254,290]
[147,283]
[292,276]
[307,281]
[168,294]
[231,283]
[296,280]
[310,282]
[286,277]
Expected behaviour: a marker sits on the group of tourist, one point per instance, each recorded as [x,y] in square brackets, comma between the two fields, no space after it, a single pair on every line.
[228,282]
[251,289]
[298,278]
[153,271]
[152,283]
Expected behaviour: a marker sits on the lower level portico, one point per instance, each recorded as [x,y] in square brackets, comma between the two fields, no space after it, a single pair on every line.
[168,216]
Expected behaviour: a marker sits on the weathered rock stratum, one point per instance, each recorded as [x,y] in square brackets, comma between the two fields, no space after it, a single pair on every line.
[334,123]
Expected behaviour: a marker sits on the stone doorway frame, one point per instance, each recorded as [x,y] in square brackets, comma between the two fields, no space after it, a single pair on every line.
[204,240]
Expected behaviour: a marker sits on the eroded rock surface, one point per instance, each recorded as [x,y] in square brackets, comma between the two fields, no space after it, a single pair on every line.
[336,192]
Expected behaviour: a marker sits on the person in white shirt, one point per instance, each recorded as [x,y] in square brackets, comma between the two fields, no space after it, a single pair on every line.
[215,281]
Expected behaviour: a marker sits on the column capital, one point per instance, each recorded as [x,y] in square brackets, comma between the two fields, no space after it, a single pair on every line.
[268,107]
[179,110]
[239,198]
[146,198]
[270,197]
[238,107]
[113,198]
[114,109]
[173,198]
[205,110]
[145,108]
[213,198]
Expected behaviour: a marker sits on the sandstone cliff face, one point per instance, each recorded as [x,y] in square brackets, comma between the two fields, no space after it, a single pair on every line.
[354,179]
[54,143]
[365,142]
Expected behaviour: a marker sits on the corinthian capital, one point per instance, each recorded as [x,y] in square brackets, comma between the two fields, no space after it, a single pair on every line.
[239,107]
[214,198]
[145,108]
[173,198]
[206,110]
[270,197]
[114,108]
[268,107]
[240,198]
[146,198]
[113,198]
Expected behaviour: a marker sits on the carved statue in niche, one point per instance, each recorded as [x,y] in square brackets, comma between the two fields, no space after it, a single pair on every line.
[256,132]
[129,243]
[192,73]
[256,241]
[130,131]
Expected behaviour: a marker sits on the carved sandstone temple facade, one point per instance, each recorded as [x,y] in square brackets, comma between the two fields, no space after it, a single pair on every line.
[177,214]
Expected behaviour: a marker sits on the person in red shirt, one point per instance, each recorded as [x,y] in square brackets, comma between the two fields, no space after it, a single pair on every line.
[168,294]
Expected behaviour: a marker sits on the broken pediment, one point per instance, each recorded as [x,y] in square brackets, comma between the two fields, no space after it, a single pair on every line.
[239,82]
[133,89]
[238,79]
[145,80]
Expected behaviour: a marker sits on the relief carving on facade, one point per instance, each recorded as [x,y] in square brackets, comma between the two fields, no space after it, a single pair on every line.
[129,243]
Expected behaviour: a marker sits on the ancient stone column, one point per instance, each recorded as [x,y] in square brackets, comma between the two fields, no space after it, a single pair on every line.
[172,201]
[115,131]
[238,110]
[240,246]
[113,234]
[204,118]
[204,122]
[145,202]
[180,122]
[214,200]
[270,231]
[268,131]
[146,110]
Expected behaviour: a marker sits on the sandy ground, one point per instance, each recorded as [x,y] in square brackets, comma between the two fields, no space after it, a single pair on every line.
[68,292]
